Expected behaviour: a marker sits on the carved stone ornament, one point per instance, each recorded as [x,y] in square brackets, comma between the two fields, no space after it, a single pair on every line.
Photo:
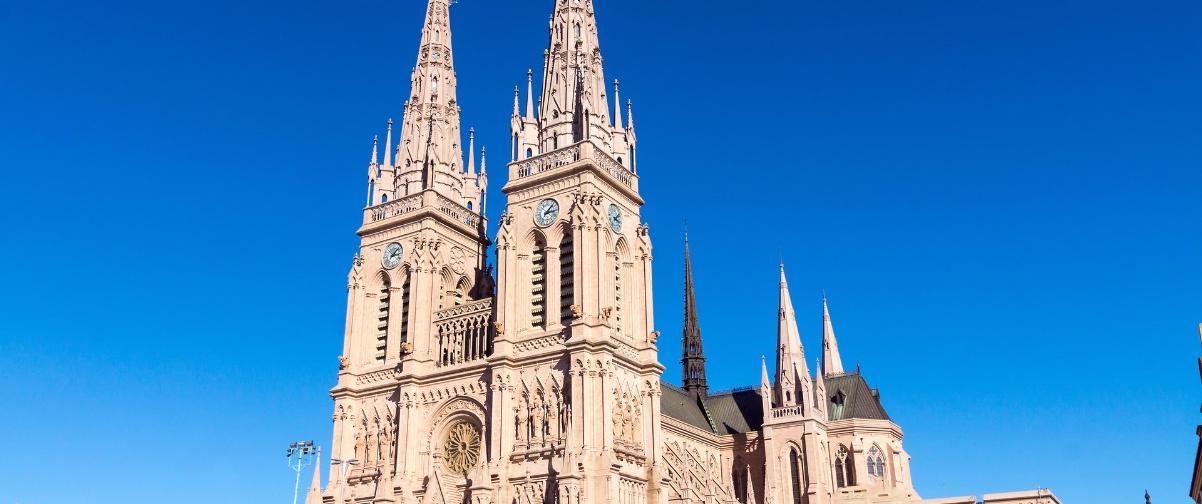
[654,337]
[462,447]
[406,348]
[499,327]
[343,362]
[577,311]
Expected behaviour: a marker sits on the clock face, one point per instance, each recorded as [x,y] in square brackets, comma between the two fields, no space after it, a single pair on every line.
[392,256]
[546,212]
[615,218]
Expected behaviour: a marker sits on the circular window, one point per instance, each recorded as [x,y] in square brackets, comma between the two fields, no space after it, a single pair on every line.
[462,447]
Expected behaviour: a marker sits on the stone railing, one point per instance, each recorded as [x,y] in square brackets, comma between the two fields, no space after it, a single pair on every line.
[544,162]
[458,212]
[464,333]
[424,199]
[395,208]
[582,151]
[786,412]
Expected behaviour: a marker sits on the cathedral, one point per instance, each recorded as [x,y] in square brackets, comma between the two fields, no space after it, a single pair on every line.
[539,381]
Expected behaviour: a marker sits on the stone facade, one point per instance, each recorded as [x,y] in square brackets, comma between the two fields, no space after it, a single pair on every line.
[540,382]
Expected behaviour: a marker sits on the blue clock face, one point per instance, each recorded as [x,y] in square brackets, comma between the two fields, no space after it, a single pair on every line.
[615,218]
[392,256]
[546,212]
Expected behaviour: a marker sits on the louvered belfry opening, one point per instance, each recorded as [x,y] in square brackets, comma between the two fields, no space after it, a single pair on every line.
[538,284]
[405,310]
[567,278]
[385,308]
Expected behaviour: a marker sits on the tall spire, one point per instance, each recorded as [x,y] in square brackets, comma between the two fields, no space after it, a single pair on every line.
[429,153]
[574,104]
[832,363]
[792,372]
[375,150]
[692,354]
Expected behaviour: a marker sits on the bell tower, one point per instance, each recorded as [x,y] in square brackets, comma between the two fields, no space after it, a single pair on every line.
[574,281]
[421,268]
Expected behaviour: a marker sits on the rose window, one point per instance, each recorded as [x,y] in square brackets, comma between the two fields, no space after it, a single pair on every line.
[462,447]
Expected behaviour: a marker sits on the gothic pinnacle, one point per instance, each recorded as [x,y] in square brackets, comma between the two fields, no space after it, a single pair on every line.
[830,345]
[375,150]
[471,152]
[388,145]
[617,105]
[529,94]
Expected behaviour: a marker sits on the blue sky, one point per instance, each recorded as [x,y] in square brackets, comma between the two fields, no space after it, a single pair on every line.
[1000,198]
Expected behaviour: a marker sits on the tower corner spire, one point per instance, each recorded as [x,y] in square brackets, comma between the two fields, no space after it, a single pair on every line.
[832,361]
[693,353]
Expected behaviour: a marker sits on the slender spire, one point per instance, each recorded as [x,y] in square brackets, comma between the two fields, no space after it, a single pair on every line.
[830,346]
[574,106]
[429,151]
[471,152]
[375,150]
[516,96]
[791,367]
[765,382]
[617,105]
[692,355]
[530,93]
[819,388]
[314,495]
[629,115]
[388,144]
[482,180]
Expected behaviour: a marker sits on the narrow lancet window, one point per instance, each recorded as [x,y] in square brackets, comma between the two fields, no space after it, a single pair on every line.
[795,471]
[538,284]
[385,307]
[567,277]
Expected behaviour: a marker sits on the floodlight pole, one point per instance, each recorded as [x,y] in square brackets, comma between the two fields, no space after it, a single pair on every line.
[343,466]
[300,456]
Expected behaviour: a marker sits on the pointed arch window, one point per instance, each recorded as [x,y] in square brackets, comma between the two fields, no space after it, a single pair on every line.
[845,468]
[567,276]
[876,463]
[578,30]
[795,471]
[538,283]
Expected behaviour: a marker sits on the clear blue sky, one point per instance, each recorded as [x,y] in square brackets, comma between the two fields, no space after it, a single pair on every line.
[1000,197]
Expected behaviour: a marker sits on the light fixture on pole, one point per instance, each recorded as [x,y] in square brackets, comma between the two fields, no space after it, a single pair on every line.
[300,456]
[343,467]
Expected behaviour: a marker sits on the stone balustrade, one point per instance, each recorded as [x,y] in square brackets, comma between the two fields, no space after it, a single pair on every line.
[425,199]
[568,156]
[787,411]
[464,333]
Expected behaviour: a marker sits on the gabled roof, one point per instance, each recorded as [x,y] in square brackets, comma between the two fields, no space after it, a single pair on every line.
[859,401]
[741,410]
[722,413]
